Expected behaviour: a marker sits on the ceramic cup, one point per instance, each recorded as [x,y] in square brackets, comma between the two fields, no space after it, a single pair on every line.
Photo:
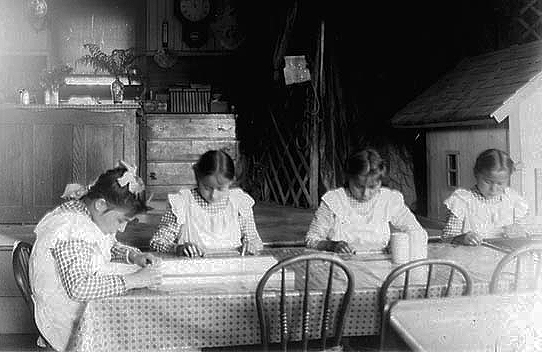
[399,245]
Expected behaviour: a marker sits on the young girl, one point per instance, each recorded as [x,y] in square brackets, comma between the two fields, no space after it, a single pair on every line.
[490,208]
[356,217]
[211,216]
[74,244]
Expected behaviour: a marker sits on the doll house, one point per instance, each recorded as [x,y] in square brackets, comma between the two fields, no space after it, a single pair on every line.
[492,100]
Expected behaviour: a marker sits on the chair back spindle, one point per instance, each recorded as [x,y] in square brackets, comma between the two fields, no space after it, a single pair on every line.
[307,315]
[522,259]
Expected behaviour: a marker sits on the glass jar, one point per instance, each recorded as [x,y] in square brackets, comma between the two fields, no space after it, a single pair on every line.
[117,91]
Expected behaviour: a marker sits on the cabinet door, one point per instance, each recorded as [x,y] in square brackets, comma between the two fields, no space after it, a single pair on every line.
[15,166]
[46,150]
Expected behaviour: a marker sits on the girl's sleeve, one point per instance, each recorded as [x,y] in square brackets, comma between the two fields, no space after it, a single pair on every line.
[321,224]
[457,207]
[166,236]
[246,221]
[74,262]
[453,227]
[120,252]
[521,208]
[402,217]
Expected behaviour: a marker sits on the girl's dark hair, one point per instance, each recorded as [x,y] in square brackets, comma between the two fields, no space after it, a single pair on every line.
[107,187]
[365,162]
[493,160]
[215,161]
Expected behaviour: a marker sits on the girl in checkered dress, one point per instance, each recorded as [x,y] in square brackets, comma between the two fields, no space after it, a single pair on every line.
[357,216]
[488,209]
[213,216]
[75,243]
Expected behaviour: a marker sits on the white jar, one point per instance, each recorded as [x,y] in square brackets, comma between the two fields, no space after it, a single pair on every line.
[399,245]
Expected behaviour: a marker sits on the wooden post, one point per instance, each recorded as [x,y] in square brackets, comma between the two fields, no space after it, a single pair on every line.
[315,130]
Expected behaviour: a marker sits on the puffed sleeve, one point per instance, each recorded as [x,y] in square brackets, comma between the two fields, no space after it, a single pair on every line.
[246,217]
[458,203]
[178,205]
[521,207]
[245,202]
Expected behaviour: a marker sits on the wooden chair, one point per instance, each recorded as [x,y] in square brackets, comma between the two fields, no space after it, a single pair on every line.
[530,254]
[325,316]
[431,265]
[19,257]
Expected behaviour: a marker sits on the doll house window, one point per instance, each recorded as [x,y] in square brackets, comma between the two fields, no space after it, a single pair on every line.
[452,169]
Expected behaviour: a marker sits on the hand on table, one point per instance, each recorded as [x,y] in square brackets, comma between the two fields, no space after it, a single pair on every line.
[144,259]
[468,239]
[148,276]
[189,249]
[342,247]
[248,247]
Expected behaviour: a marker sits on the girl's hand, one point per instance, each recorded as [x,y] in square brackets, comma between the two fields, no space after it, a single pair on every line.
[189,249]
[144,259]
[144,277]
[342,247]
[468,239]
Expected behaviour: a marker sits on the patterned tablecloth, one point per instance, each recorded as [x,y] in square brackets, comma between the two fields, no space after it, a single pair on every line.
[220,314]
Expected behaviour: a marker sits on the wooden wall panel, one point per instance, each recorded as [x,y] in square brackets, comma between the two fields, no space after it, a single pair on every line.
[11,153]
[53,159]
[14,313]
[172,173]
[469,142]
[104,148]
[190,126]
[160,150]
[530,151]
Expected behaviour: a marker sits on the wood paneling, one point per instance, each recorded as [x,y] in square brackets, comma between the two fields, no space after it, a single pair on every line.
[527,138]
[14,313]
[469,142]
[50,148]
[174,142]
[173,173]
[162,150]
[191,126]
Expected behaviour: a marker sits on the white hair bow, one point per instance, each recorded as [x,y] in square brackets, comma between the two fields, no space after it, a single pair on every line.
[130,178]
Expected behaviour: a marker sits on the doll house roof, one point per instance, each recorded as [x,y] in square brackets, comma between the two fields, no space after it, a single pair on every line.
[479,90]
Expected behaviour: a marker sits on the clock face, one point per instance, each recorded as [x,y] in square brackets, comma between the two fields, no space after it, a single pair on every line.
[194,10]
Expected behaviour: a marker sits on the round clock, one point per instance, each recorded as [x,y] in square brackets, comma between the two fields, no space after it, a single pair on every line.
[193,10]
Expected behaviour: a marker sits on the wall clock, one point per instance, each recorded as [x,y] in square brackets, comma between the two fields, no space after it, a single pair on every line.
[193,10]
[194,15]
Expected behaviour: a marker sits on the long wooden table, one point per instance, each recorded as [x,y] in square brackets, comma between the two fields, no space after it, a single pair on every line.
[481,323]
[224,314]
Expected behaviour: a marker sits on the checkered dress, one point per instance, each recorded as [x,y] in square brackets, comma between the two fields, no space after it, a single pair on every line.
[454,225]
[73,259]
[323,220]
[168,232]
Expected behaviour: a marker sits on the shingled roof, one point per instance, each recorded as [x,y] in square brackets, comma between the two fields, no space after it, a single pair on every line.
[476,90]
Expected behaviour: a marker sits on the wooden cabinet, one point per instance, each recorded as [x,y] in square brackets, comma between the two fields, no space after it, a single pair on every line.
[41,150]
[174,142]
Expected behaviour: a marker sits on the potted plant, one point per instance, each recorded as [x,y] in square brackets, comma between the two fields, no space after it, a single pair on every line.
[118,63]
[52,79]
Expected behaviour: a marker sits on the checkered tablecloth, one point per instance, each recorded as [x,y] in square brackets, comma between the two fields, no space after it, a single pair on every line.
[225,315]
